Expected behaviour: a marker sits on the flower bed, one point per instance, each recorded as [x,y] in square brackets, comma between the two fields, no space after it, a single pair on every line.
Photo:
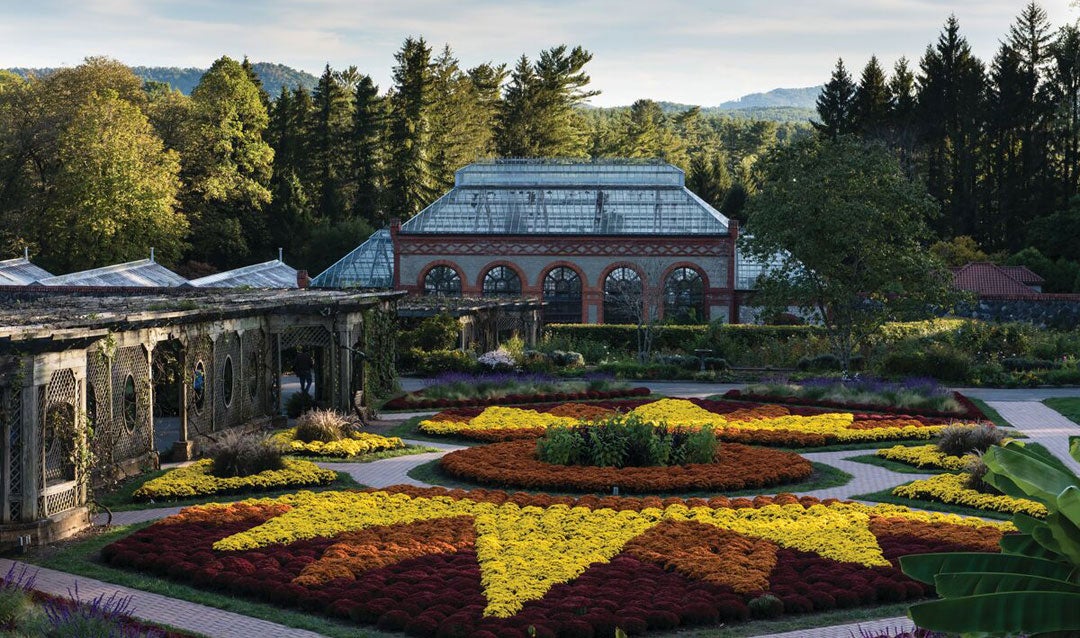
[736,467]
[196,480]
[950,488]
[495,389]
[968,410]
[926,456]
[485,563]
[764,424]
[356,444]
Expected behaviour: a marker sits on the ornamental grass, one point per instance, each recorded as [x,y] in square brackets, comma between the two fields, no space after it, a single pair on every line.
[953,489]
[197,479]
[436,562]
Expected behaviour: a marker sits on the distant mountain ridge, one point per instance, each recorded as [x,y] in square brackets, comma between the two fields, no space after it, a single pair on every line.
[273,76]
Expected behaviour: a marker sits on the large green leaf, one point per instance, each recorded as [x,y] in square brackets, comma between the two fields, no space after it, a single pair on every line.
[1068,504]
[975,583]
[1074,448]
[1066,534]
[1039,480]
[1005,485]
[924,567]
[1001,613]
[1025,523]
[1025,545]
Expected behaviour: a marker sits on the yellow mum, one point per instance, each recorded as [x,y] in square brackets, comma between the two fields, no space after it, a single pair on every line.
[950,488]
[356,444]
[926,456]
[196,480]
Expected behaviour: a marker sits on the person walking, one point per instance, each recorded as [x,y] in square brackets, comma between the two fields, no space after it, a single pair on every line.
[302,366]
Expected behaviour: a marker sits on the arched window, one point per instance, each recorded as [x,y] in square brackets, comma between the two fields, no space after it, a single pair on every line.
[623,296]
[502,281]
[443,281]
[562,292]
[684,296]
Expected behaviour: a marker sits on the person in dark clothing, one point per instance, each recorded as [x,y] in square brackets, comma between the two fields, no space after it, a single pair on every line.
[302,366]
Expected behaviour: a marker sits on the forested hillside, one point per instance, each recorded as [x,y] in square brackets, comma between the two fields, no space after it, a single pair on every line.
[98,165]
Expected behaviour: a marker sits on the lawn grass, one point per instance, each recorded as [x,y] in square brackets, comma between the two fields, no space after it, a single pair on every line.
[408,450]
[990,413]
[824,476]
[121,499]
[893,466]
[1068,407]
[81,558]
[860,445]
[886,496]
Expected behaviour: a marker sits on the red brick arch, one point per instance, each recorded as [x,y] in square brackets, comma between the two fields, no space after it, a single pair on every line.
[442,262]
[502,262]
[581,277]
[705,291]
[621,264]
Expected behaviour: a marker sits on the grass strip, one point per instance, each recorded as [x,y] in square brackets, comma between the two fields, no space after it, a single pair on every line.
[1068,407]
[894,466]
[408,450]
[122,499]
[824,477]
[81,558]
[990,413]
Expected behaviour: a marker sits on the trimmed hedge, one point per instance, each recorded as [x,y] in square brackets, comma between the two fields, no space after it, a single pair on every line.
[623,337]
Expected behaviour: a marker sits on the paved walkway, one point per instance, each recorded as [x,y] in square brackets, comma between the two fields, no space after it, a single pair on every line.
[200,619]
[1038,422]
[1042,425]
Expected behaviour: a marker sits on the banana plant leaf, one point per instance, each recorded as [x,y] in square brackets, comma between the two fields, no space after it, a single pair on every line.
[976,583]
[1026,545]
[1004,613]
[924,567]
[1039,480]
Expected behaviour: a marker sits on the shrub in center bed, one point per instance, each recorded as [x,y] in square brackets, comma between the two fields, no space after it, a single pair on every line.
[626,441]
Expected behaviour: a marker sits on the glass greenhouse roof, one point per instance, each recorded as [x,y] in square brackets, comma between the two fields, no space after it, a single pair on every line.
[370,265]
[748,268]
[569,197]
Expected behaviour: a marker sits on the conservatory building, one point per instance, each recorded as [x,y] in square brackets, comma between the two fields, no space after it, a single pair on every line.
[598,241]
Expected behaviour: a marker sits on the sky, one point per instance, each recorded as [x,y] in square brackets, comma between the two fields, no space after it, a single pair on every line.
[689,51]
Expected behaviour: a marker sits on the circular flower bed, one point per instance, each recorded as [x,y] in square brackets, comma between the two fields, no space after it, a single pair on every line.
[434,562]
[736,467]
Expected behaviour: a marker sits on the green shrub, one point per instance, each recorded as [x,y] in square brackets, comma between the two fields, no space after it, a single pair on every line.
[766,606]
[1064,376]
[938,361]
[626,441]
[436,361]
[958,440]
[1025,364]
[320,425]
[439,332]
[299,403]
[237,454]
[820,363]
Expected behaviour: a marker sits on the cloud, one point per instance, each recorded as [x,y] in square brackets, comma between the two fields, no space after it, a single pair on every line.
[698,51]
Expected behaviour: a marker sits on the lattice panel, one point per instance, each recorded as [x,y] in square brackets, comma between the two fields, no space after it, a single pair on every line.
[200,348]
[228,401]
[12,415]
[57,403]
[58,501]
[131,439]
[253,379]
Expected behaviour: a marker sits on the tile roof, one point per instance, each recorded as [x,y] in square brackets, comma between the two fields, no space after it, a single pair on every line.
[20,272]
[1024,275]
[142,272]
[270,274]
[986,279]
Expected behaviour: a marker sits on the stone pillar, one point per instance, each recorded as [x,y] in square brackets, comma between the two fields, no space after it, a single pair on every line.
[32,453]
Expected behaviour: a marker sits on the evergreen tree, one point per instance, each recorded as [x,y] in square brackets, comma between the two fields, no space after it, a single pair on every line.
[367,150]
[331,119]
[950,98]
[264,97]
[903,114]
[1064,96]
[290,213]
[836,104]
[410,183]
[871,102]
[516,119]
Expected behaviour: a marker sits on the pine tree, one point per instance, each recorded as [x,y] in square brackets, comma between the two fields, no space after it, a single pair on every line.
[903,122]
[951,102]
[367,150]
[410,184]
[264,97]
[331,119]
[516,119]
[872,102]
[836,104]
[1063,91]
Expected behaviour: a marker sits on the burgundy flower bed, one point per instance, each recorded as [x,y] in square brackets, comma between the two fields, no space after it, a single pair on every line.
[970,410]
[416,400]
[645,588]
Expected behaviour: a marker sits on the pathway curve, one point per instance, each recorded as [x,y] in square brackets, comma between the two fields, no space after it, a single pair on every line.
[393,471]
[866,478]
[193,617]
[1043,425]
